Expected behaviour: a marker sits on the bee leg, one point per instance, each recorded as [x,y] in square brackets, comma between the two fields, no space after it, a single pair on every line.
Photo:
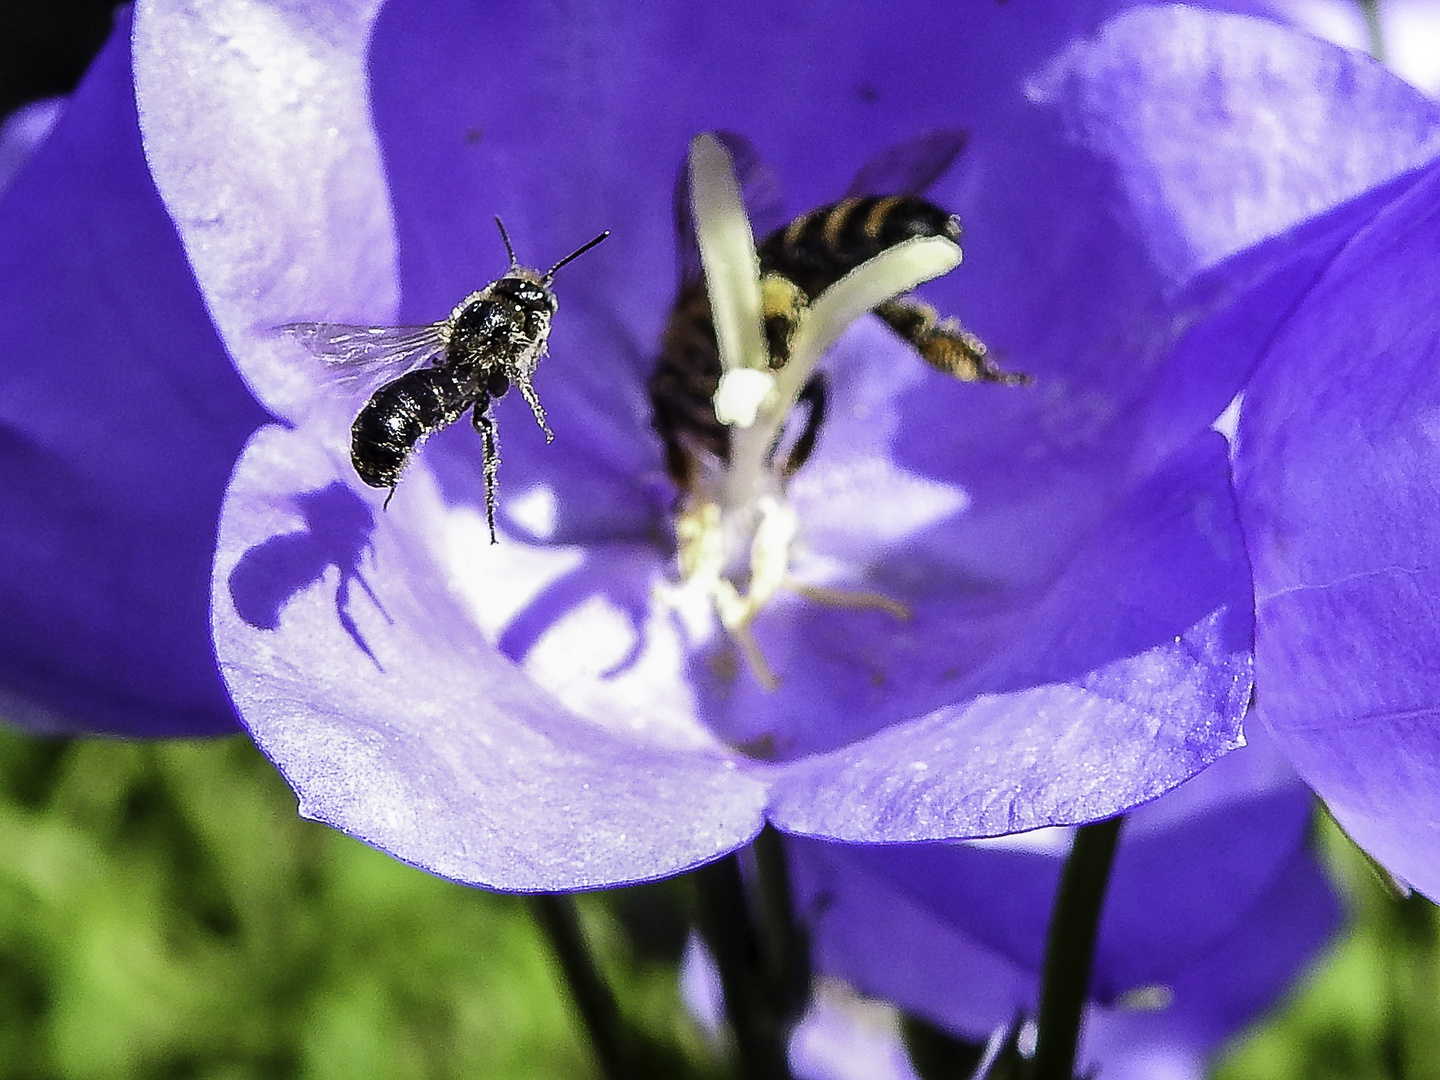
[813,396]
[485,424]
[944,344]
[527,391]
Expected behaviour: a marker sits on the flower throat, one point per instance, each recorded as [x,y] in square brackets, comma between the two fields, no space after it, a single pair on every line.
[738,400]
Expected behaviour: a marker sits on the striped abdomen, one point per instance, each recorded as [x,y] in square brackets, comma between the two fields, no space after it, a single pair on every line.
[399,415]
[819,248]
[814,251]
[683,385]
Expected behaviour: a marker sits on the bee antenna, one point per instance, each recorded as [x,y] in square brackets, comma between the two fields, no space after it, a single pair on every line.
[506,237]
[575,255]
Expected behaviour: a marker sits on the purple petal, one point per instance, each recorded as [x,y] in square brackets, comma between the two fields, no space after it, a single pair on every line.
[1214,902]
[22,132]
[1227,130]
[1337,474]
[840,1038]
[269,167]
[1219,132]
[1223,990]
[368,683]
[120,417]
[1128,676]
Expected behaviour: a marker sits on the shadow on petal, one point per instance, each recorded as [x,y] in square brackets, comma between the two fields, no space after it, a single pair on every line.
[337,532]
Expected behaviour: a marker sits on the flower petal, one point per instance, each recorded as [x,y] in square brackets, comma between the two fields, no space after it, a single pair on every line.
[1336,470]
[268,165]
[1128,676]
[370,686]
[1213,904]
[120,417]
[1226,130]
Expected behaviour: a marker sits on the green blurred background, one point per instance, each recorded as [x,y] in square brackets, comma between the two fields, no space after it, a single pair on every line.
[164,913]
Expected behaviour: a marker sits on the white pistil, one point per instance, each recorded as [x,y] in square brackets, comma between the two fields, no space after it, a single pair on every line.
[894,271]
[743,510]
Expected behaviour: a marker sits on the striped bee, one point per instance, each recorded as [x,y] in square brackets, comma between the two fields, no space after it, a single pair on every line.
[738,400]
[798,261]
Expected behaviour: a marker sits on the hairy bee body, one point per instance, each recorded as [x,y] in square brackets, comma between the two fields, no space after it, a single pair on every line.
[399,415]
[808,255]
[682,387]
[492,339]
[497,333]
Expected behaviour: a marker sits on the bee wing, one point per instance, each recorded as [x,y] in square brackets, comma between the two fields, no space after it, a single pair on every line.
[910,167]
[359,360]
[759,187]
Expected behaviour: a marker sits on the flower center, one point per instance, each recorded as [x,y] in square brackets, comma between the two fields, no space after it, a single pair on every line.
[736,534]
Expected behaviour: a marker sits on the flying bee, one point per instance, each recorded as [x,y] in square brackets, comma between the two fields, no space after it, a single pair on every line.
[798,261]
[493,339]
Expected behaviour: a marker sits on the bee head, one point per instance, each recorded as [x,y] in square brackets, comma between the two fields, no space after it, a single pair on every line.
[520,285]
[528,287]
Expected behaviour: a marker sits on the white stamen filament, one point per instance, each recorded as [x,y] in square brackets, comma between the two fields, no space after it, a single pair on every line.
[745,511]
[894,271]
[727,253]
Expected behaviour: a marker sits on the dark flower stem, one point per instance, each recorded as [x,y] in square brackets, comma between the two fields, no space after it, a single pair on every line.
[784,942]
[1070,949]
[757,1021]
[936,1054]
[556,917]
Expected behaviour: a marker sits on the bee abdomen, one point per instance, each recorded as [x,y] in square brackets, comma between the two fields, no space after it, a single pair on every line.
[398,416]
[819,248]
[683,387]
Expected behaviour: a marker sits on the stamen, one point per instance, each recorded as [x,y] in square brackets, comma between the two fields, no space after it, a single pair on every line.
[727,253]
[849,598]
[894,271]
[744,506]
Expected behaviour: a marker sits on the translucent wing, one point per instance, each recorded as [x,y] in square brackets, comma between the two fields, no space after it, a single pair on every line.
[360,359]
[758,186]
[910,167]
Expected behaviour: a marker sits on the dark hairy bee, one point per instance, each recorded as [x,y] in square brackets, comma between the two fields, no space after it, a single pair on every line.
[798,261]
[493,338]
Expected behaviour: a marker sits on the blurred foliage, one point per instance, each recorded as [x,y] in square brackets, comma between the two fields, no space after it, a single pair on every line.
[1371,1006]
[164,913]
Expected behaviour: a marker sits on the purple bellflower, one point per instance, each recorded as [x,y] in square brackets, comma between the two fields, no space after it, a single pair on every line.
[1068,554]
[534,715]
[1214,905]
